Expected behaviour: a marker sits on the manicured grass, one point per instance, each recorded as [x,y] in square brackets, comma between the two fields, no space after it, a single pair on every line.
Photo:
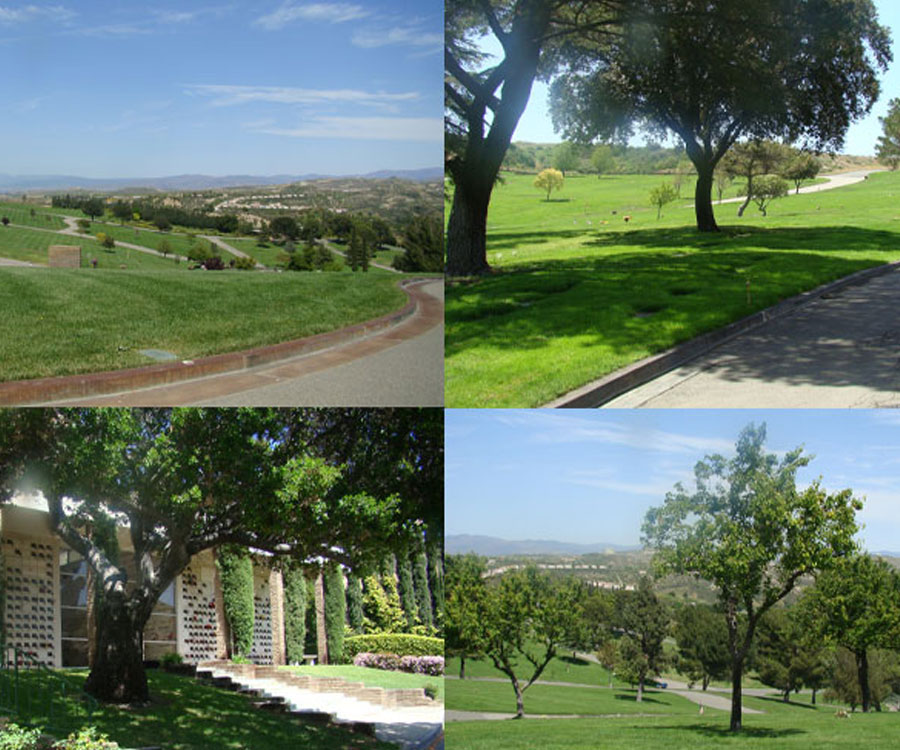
[560,669]
[20,213]
[59,322]
[574,298]
[498,697]
[373,677]
[267,254]
[31,245]
[178,242]
[185,715]
[796,729]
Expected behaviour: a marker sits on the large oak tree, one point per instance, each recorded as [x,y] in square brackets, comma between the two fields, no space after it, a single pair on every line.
[751,532]
[186,480]
[712,72]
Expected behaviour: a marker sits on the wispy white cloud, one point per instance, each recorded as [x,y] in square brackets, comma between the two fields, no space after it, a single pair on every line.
[25,106]
[114,29]
[323,12]
[223,96]
[25,13]
[408,129]
[181,17]
[606,480]
[403,35]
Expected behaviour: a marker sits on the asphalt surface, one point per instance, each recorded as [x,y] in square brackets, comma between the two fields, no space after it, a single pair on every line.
[841,350]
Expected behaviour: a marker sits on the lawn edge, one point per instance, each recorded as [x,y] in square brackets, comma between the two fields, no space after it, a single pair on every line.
[16,392]
[604,389]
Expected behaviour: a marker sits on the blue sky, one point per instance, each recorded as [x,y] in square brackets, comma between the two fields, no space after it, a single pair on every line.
[119,89]
[535,124]
[590,476]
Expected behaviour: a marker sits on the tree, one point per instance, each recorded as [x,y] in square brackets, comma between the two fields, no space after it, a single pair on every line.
[236,573]
[565,159]
[422,590]
[5,221]
[884,677]
[803,166]
[93,207]
[406,591]
[713,72]
[354,602]
[423,245]
[766,189]
[355,250]
[608,656]
[751,160]
[310,227]
[888,150]
[465,590]
[750,532]
[162,223]
[778,657]
[856,605]
[121,210]
[106,240]
[295,595]
[702,639]
[484,100]
[661,195]
[284,226]
[645,622]
[186,480]
[549,179]
[526,616]
[164,247]
[335,611]
[602,159]
[722,180]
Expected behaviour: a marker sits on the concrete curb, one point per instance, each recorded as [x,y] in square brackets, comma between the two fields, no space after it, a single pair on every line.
[19,392]
[605,389]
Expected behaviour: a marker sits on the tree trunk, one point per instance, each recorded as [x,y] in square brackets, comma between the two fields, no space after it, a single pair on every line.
[748,198]
[117,674]
[862,673]
[466,230]
[462,667]
[786,696]
[737,668]
[814,696]
[520,701]
[321,636]
[640,691]
[705,682]
[703,208]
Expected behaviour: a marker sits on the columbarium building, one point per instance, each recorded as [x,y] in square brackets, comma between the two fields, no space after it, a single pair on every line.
[47,595]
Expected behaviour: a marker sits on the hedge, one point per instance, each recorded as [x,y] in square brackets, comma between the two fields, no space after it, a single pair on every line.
[401,644]
[236,574]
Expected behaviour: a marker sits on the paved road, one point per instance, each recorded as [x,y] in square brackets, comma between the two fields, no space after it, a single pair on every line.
[839,351]
[403,366]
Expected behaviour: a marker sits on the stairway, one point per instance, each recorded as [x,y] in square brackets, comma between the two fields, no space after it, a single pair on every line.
[406,717]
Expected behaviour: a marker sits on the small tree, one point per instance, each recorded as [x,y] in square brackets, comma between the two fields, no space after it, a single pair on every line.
[83,224]
[602,159]
[93,207]
[751,160]
[164,247]
[564,157]
[888,151]
[749,531]
[645,621]
[162,223]
[294,614]
[766,189]
[5,221]
[549,179]
[608,656]
[661,195]
[804,166]
[335,611]
[354,602]
[722,181]
[702,640]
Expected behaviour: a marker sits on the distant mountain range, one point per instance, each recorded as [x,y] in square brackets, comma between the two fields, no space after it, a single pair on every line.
[18,183]
[461,544]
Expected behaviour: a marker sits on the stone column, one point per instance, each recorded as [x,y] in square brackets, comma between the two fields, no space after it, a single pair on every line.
[276,597]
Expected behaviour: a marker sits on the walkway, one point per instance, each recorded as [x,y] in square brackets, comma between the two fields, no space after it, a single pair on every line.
[402,365]
[839,350]
[72,230]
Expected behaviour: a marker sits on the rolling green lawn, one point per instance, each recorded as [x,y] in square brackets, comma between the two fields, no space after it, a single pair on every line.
[578,293]
[560,669]
[185,715]
[31,245]
[62,322]
[19,213]
[373,677]
[179,243]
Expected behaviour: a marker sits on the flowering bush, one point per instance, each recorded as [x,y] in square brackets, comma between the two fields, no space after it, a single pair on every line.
[431,665]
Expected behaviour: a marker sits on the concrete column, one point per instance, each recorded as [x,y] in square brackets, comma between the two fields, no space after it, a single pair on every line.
[276,597]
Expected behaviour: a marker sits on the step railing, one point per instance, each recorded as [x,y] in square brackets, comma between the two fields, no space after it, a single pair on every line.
[33,695]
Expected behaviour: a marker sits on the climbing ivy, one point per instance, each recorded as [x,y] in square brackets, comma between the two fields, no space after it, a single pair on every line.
[236,574]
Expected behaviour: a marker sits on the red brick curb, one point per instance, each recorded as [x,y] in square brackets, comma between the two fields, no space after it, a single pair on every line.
[17,392]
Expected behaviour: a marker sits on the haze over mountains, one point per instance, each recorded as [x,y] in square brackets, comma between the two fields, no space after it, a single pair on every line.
[460,544]
[19,183]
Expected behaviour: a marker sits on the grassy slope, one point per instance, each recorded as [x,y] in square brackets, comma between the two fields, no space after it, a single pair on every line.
[373,677]
[59,322]
[576,298]
[560,669]
[187,716]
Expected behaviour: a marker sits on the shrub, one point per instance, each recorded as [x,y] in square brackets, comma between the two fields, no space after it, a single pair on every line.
[393,643]
[389,662]
[430,665]
[86,739]
[5,221]
[83,224]
[170,659]
[14,737]
[245,264]
[236,573]
[215,263]
[199,252]
[238,659]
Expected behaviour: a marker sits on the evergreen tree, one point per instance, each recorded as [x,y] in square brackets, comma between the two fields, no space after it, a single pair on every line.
[294,615]
[355,249]
[406,591]
[335,612]
[423,591]
[355,602]
[236,574]
[436,581]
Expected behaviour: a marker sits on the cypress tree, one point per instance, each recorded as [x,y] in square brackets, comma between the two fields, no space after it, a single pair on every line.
[236,574]
[436,580]
[335,612]
[423,592]
[294,615]
[355,602]
[406,591]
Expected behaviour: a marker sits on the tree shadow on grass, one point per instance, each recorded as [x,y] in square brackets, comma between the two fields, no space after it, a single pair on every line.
[780,702]
[631,698]
[724,734]
[511,240]
[574,661]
